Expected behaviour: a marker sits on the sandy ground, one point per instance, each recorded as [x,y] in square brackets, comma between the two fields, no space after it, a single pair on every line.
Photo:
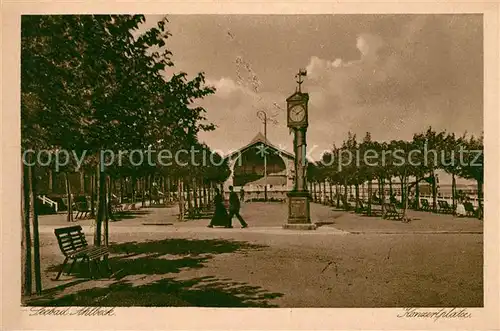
[353,261]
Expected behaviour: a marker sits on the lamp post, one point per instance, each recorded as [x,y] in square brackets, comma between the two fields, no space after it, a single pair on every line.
[262,115]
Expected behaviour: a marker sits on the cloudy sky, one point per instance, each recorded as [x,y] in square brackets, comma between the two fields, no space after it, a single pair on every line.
[391,75]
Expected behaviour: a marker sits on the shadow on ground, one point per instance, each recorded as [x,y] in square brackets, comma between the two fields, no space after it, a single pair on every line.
[128,214]
[139,260]
[196,292]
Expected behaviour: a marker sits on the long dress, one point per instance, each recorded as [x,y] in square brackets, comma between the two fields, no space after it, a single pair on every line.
[220,217]
[461,209]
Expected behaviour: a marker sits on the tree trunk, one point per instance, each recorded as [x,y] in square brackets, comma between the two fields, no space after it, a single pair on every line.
[337,192]
[180,194]
[417,195]
[149,188]
[169,189]
[330,200]
[188,195]
[324,192]
[382,194]
[166,185]
[195,193]
[143,190]
[51,181]
[36,235]
[370,195]
[390,187]
[345,196]
[379,182]
[434,192]
[210,193]
[205,199]
[92,195]
[200,193]
[110,198]
[108,214]
[121,189]
[27,284]
[82,182]
[134,183]
[356,190]
[479,197]
[69,215]
[404,194]
[453,189]
[101,208]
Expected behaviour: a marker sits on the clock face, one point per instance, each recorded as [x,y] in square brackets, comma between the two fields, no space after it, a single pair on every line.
[297,113]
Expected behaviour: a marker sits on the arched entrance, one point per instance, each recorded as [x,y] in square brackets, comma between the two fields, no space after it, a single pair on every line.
[249,169]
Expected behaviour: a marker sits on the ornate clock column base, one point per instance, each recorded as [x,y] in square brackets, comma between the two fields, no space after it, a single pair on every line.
[298,211]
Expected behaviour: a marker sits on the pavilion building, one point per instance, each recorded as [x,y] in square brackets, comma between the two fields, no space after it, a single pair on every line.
[247,166]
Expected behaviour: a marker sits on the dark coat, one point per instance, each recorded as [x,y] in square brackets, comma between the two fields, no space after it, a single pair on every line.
[220,214]
[234,201]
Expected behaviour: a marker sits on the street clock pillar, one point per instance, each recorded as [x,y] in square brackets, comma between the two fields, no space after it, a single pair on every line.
[299,198]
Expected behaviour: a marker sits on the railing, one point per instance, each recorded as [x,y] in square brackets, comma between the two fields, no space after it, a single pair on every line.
[48,201]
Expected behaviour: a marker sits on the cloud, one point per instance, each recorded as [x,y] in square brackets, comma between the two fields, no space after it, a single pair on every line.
[392,80]
[401,83]
[233,108]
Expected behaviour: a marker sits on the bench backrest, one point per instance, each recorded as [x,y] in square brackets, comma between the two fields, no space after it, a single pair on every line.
[70,239]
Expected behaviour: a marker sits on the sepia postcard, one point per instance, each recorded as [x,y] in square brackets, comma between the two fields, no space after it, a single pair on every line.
[250,166]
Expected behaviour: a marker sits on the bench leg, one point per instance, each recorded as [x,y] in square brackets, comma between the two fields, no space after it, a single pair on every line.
[89,269]
[62,268]
[71,267]
[108,266]
[96,262]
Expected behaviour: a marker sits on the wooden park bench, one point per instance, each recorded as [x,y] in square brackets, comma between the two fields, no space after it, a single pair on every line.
[198,213]
[444,207]
[345,205]
[364,209]
[116,206]
[425,204]
[392,213]
[82,210]
[74,246]
[469,209]
[361,207]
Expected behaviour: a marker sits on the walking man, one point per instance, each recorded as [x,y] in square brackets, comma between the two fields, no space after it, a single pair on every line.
[234,208]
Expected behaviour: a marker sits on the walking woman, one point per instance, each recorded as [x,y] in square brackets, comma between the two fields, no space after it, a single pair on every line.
[220,217]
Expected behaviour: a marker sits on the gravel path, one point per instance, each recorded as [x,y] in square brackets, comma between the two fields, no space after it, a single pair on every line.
[353,261]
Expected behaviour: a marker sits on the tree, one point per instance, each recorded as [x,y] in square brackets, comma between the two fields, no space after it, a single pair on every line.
[402,168]
[451,161]
[431,145]
[472,167]
[92,83]
[366,149]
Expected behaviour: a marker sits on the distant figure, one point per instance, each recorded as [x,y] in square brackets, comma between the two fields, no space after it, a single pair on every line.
[234,208]
[220,217]
[460,211]
[242,194]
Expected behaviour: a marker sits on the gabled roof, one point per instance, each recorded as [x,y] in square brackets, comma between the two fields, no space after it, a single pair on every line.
[297,96]
[260,139]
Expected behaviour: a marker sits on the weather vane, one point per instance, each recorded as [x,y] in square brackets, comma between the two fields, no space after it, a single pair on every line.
[302,73]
